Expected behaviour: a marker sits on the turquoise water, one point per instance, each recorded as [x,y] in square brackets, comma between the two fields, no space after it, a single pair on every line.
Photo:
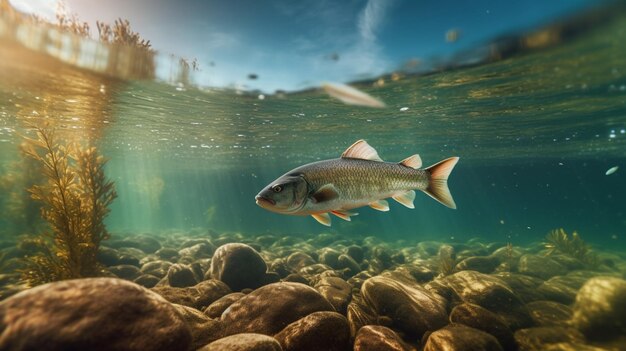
[535,134]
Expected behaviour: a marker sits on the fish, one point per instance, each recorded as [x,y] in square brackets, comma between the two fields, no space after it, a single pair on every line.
[356,179]
[611,170]
[351,96]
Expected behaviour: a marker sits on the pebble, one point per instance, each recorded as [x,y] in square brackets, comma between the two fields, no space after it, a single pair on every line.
[91,314]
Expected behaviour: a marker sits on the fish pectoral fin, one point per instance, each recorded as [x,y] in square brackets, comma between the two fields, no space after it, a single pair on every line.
[380,205]
[361,150]
[323,218]
[325,193]
[414,161]
[406,198]
[345,215]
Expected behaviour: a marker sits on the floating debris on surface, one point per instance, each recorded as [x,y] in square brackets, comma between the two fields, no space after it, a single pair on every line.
[612,170]
[351,96]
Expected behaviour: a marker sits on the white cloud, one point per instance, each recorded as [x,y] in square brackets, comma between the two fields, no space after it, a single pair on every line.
[372,18]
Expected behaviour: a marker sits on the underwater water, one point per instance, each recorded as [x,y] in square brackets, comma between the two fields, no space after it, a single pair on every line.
[536,133]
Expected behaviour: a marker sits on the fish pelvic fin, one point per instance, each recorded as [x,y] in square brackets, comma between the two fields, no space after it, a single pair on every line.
[323,218]
[406,198]
[345,215]
[380,205]
[438,186]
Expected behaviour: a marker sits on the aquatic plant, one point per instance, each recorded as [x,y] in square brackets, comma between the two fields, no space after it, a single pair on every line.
[75,199]
[558,240]
[121,33]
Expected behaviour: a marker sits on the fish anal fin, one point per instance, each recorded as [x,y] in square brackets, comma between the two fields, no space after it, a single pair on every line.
[406,198]
[414,161]
[438,186]
[325,193]
[361,150]
[323,218]
[380,205]
[345,215]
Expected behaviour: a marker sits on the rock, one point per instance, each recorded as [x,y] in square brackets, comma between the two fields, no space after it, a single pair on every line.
[329,257]
[562,289]
[346,262]
[147,280]
[525,287]
[568,346]
[337,291]
[180,276]
[296,278]
[546,313]
[218,306]
[413,309]
[298,260]
[199,296]
[356,252]
[198,251]
[144,243]
[125,271]
[600,308]
[203,329]
[108,256]
[244,342]
[239,266]
[156,268]
[91,314]
[268,309]
[378,338]
[482,319]
[317,331]
[540,266]
[359,314]
[167,253]
[460,337]
[482,264]
[538,338]
[486,291]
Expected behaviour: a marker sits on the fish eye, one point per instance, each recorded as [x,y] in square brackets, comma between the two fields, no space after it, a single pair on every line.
[277,188]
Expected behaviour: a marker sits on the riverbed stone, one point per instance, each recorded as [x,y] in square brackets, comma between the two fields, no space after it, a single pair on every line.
[317,331]
[91,314]
[198,296]
[482,319]
[244,342]
[379,338]
[180,276]
[546,313]
[537,338]
[540,266]
[269,308]
[482,264]
[218,306]
[411,308]
[239,266]
[461,337]
[600,308]
[336,290]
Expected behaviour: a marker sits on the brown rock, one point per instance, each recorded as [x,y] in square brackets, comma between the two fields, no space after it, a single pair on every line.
[318,331]
[379,338]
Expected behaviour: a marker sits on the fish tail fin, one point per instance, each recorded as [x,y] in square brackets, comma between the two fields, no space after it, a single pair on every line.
[438,185]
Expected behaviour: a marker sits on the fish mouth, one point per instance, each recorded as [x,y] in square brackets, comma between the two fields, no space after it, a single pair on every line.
[263,201]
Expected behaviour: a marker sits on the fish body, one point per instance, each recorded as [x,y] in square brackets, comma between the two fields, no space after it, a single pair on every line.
[358,178]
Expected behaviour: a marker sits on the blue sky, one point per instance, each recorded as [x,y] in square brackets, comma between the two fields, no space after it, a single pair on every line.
[289,44]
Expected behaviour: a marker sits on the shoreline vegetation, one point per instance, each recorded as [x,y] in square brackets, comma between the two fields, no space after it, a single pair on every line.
[119,52]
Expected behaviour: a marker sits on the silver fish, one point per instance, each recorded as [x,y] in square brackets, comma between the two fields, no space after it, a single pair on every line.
[358,178]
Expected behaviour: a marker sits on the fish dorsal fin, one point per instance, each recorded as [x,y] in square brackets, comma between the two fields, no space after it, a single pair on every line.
[380,205]
[323,218]
[406,198]
[414,161]
[345,215]
[361,150]
[325,193]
